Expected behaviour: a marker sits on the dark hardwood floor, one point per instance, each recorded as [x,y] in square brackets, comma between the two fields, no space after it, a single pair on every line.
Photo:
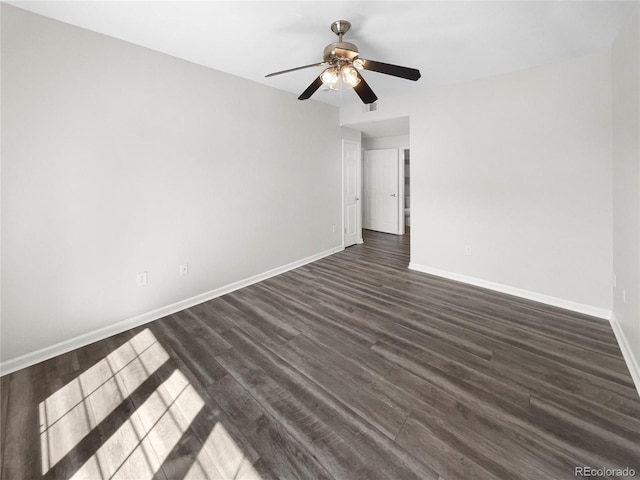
[352,367]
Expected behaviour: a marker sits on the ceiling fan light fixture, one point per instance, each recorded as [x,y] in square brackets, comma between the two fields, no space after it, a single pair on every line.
[350,76]
[343,64]
[331,78]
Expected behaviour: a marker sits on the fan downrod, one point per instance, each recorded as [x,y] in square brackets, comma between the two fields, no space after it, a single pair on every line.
[340,27]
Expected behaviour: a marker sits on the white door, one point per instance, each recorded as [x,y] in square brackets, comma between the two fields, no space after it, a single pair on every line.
[381,195]
[351,182]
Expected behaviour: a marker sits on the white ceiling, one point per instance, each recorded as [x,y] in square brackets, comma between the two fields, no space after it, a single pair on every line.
[449,41]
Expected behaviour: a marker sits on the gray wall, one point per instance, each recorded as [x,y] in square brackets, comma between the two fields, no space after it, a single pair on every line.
[117,159]
[396,141]
[519,167]
[626,186]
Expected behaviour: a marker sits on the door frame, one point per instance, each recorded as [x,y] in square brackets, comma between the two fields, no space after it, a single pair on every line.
[401,199]
[358,145]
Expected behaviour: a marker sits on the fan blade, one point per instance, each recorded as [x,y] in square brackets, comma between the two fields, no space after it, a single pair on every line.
[364,91]
[321,64]
[395,70]
[311,89]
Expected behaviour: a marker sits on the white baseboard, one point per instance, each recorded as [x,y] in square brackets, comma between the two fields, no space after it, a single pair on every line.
[518,292]
[627,353]
[46,353]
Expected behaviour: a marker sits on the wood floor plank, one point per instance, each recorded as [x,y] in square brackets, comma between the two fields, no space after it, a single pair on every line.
[354,386]
[215,313]
[259,330]
[4,402]
[205,335]
[285,456]
[550,325]
[440,301]
[521,378]
[197,358]
[269,317]
[597,414]
[577,356]
[523,370]
[221,451]
[295,293]
[316,438]
[337,336]
[21,454]
[520,338]
[91,354]
[524,456]
[563,377]
[325,424]
[225,446]
[350,367]
[421,441]
[461,382]
[523,421]
[584,434]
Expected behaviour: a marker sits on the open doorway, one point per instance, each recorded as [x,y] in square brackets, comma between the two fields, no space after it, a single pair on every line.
[385,179]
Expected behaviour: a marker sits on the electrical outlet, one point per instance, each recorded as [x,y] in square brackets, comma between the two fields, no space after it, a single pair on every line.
[141,279]
[334,229]
[184,269]
[467,249]
[624,296]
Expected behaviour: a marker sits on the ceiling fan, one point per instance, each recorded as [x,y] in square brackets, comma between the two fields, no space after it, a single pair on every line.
[343,62]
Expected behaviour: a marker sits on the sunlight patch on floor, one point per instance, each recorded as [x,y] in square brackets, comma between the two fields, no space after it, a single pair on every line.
[148,439]
[221,459]
[141,445]
[71,413]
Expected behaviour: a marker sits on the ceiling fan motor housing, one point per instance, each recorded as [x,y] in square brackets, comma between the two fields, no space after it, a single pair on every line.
[348,52]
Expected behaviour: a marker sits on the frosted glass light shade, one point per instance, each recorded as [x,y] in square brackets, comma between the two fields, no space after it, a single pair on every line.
[331,78]
[350,76]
